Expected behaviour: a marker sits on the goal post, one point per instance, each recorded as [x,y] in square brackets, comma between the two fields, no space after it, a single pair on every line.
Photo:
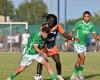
[26,23]
[10,29]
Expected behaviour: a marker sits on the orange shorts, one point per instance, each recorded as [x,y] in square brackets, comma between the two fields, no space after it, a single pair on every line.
[54,50]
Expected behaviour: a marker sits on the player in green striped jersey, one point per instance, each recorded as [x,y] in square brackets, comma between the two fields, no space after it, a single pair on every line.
[33,52]
[82,29]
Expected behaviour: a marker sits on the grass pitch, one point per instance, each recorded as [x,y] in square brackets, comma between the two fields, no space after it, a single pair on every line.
[10,61]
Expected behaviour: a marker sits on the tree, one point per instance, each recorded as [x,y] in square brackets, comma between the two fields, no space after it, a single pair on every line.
[31,11]
[9,7]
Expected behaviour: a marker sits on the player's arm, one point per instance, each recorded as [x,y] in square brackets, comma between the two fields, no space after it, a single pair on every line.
[72,32]
[70,36]
[45,48]
[65,35]
[39,50]
[93,31]
[95,36]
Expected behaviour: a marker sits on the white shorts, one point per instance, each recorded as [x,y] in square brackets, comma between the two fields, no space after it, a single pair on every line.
[27,59]
[1,45]
[80,49]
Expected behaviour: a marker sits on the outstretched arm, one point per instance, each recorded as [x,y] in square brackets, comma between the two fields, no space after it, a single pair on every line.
[39,51]
[62,31]
[66,36]
[72,32]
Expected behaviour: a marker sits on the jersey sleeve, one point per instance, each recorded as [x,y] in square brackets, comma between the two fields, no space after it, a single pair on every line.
[33,39]
[93,29]
[36,40]
[35,43]
[60,29]
[76,26]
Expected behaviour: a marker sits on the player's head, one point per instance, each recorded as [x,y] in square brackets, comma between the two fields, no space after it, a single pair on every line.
[45,30]
[52,19]
[86,16]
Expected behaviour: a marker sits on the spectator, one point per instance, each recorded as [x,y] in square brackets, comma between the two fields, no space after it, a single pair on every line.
[10,42]
[25,37]
[1,42]
[99,42]
[16,39]
[93,44]
[98,45]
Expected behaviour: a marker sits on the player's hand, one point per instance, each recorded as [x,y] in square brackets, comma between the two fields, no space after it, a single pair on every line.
[66,40]
[50,50]
[44,55]
[77,39]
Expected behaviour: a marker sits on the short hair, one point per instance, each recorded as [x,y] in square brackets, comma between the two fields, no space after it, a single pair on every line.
[45,28]
[86,12]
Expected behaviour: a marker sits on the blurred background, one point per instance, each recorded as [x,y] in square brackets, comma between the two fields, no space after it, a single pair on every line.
[24,17]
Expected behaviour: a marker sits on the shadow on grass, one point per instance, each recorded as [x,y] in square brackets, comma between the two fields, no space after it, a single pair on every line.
[65,78]
[91,76]
[86,77]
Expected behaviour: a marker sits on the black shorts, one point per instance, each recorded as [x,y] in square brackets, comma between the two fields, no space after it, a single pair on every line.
[93,43]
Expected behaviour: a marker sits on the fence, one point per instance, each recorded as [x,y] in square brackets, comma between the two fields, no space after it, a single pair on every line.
[9,31]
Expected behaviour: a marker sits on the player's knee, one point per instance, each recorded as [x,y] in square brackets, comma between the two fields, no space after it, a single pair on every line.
[21,69]
[58,62]
[44,63]
[39,65]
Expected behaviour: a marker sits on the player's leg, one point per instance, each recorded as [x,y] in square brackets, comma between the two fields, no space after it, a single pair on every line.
[54,53]
[26,61]
[82,57]
[49,68]
[56,58]
[17,72]
[39,68]
[43,61]
[82,60]
[75,69]
[39,72]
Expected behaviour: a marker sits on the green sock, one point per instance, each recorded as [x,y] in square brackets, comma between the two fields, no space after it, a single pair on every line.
[75,70]
[53,76]
[12,75]
[81,69]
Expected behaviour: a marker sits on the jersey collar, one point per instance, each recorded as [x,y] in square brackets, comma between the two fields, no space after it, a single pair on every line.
[85,22]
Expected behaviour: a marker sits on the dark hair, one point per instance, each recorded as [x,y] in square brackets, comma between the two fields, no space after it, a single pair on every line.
[86,12]
[45,28]
[52,16]
[45,24]
[49,16]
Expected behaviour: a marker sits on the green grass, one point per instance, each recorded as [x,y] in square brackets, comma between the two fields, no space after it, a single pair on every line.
[9,62]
